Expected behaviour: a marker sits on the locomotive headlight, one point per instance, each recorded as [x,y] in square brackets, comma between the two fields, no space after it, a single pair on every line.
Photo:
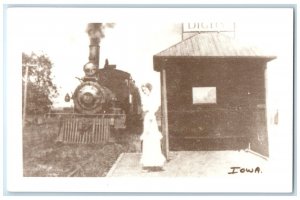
[89,69]
[67,98]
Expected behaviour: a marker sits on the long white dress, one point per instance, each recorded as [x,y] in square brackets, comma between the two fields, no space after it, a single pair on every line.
[151,136]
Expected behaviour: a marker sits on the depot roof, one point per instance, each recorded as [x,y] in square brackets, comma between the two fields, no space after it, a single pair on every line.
[209,45]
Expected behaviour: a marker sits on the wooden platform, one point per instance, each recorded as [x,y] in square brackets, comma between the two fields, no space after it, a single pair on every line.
[191,164]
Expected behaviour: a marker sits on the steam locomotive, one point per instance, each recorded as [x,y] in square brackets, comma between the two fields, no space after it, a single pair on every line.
[106,99]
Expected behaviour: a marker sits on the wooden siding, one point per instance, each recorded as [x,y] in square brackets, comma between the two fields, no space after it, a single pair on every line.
[240,108]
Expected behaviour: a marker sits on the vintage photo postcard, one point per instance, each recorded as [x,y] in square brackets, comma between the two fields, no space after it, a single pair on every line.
[192,100]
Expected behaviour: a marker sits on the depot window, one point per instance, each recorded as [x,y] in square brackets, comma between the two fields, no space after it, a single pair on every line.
[204,95]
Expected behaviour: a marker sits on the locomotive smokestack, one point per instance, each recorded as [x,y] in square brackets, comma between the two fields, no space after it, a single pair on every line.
[95,32]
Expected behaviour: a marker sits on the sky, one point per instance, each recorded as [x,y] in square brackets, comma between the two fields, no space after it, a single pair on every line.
[139,34]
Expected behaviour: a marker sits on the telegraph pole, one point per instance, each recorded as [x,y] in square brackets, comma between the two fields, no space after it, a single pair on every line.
[25,95]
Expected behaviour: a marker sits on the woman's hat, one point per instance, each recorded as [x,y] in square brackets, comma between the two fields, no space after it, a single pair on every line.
[148,85]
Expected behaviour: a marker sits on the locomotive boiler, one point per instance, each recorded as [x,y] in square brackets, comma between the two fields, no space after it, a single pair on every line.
[106,99]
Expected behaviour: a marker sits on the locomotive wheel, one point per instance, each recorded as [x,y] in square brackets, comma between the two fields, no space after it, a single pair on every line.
[89,97]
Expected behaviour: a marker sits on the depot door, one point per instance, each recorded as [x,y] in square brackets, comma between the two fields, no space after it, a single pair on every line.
[259,140]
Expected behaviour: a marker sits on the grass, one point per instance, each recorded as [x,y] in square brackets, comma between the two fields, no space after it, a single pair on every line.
[43,156]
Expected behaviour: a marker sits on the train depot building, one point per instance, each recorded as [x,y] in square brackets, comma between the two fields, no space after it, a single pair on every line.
[213,93]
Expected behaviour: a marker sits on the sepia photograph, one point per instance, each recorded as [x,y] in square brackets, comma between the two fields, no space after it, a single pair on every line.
[150,100]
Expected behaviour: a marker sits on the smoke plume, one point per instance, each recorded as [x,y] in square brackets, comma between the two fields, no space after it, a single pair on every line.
[96,31]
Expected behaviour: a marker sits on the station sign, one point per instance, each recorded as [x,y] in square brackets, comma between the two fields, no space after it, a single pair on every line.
[208,27]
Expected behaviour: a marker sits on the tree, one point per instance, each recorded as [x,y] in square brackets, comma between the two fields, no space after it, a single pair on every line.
[38,88]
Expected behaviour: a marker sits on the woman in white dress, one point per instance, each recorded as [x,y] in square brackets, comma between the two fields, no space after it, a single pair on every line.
[152,158]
